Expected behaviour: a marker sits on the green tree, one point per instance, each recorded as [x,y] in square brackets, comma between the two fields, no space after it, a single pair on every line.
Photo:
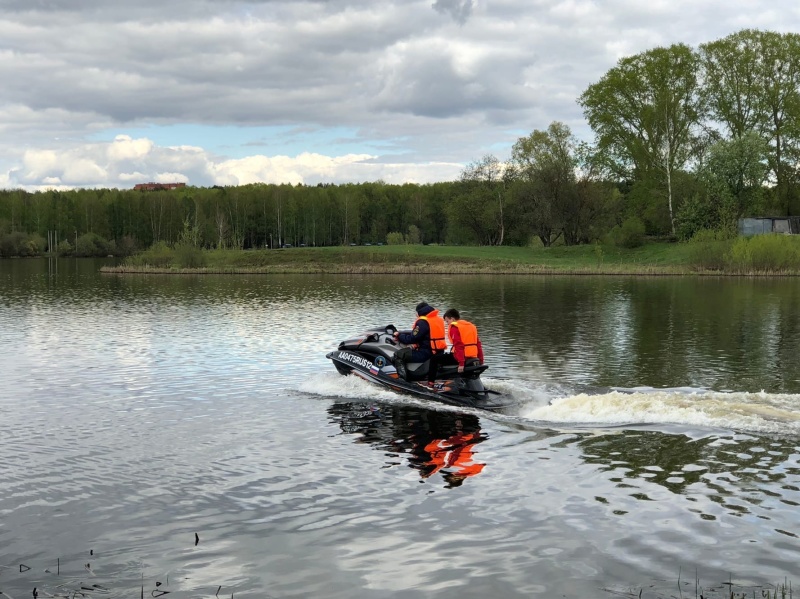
[91,244]
[780,74]
[740,164]
[543,167]
[414,237]
[485,180]
[734,173]
[395,239]
[731,84]
[469,217]
[644,112]
[752,83]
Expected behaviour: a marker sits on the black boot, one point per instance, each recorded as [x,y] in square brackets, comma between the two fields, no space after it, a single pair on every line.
[400,367]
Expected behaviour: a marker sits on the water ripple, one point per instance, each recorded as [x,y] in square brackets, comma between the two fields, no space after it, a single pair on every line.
[140,412]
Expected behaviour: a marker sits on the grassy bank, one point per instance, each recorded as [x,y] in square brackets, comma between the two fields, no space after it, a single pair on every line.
[741,256]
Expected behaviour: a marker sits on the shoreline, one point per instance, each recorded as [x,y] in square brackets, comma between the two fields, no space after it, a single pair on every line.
[438,269]
[652,259]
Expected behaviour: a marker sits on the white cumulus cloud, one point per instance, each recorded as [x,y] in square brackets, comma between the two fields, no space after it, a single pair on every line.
[420,86]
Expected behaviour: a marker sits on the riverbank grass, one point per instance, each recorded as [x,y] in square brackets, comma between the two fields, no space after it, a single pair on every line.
[764,254]
[649,259]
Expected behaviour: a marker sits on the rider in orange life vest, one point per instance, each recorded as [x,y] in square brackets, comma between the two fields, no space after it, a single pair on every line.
[425,339]
[466,345]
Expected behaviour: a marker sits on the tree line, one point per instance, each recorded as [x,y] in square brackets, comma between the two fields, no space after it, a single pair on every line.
[686,140]
[239,217]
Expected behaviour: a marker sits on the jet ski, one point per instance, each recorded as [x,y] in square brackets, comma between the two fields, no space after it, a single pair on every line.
[371,356]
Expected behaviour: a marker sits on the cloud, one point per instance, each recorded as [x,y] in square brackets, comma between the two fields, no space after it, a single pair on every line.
[127,161]
[460,10]
[415,86]
[283,169]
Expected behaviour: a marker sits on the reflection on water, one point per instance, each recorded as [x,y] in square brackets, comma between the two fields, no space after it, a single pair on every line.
[741,475]
[729,334]
[658,430]
[721,334]
[719,476]
[432,442]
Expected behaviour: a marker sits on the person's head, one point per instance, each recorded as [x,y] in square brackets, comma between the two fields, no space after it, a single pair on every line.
[423,308]
[451,315]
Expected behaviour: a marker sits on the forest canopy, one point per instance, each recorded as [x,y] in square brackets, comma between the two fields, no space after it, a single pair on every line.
[685,140]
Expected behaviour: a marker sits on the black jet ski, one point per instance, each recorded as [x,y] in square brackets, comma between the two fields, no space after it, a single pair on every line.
[371,356]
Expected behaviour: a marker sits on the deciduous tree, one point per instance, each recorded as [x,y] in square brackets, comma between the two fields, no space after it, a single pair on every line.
[544,172]
[645,112]
[486,180]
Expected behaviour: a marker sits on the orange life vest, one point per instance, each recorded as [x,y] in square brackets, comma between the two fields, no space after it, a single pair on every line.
[436,325]
[469,337]
[456,453]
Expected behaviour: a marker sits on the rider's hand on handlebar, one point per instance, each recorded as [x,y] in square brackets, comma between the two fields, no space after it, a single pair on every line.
[461,369]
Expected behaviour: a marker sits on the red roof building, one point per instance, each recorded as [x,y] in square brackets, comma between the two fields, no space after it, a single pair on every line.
[157,186]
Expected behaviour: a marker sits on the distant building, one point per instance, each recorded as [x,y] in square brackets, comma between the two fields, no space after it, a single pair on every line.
[157,186]
[789,225]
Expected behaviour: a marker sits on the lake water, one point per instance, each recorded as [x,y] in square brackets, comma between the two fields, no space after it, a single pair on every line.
[186,434]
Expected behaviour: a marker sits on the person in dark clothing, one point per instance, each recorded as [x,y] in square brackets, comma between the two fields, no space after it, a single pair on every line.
[424,340]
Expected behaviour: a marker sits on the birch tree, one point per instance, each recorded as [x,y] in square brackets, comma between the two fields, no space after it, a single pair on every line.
[645,112]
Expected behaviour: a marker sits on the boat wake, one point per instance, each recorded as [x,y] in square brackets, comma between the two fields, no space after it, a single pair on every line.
[747,412]
[332,384]
[553,404]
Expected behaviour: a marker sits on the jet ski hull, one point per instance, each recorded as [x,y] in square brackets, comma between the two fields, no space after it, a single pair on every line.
[370,356]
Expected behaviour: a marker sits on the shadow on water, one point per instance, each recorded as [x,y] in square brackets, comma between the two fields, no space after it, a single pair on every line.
[433,443]
[739,475]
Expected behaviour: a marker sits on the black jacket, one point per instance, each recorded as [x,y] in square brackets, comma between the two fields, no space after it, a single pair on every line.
[421,333]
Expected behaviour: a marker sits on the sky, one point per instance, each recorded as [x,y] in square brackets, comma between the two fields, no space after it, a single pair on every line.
[100,93]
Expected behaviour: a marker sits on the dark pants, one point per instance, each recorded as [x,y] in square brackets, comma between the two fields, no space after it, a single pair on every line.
[405,355]
[437,360]
[412,355]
